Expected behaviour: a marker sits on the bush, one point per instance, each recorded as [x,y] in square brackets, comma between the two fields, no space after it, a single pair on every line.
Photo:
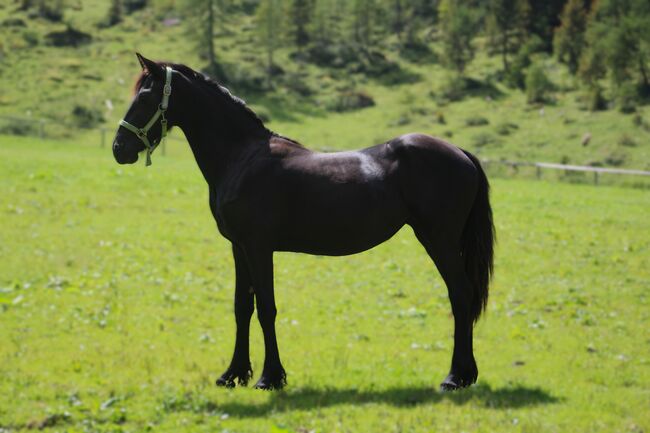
[595,99]
[616,157]
[506,128]
[453,88]
[69,37]
[18,127]
[537,84]
[483,139]
[627,98]
[476,121]
[516,75]
[86,117]
[31,37]
[627,141]
[350,100]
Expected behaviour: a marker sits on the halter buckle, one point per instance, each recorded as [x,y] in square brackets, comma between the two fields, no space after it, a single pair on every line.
[167,90]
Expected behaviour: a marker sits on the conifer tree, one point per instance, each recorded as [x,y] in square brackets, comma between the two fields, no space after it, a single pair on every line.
[569,38]
[458,25]
[204,15]
[506,24]
[270,27]
[301,12]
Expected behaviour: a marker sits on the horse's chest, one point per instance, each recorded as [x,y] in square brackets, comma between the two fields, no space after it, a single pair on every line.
[227,216]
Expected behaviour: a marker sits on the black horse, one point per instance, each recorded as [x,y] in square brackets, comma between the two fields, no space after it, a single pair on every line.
[269,193]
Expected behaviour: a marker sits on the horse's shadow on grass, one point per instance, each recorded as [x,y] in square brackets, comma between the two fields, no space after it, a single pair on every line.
[310,398]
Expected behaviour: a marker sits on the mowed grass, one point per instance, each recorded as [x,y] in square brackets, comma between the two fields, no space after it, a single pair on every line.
[116,312]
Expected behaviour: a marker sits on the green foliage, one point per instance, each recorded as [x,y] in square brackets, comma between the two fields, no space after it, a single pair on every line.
[618,35]
[350,100]
[538,84]
[459,26]
[269,21]
[506,21]
[203,17]
[570,36]
[516,75]
[476,121]
[595,99]
[86,117]
[114,13]
[300,16]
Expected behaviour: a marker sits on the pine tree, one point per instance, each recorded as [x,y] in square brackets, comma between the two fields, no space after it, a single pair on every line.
[364,22]
[300,13]
[270,26]
[114,13]
[617,34]
[570,36]
[459,25]
[506,23]
[204,15]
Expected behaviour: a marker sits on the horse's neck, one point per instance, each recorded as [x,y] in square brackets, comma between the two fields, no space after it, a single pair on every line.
[214,145]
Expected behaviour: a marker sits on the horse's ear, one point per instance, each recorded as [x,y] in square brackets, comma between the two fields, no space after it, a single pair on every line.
[150,66]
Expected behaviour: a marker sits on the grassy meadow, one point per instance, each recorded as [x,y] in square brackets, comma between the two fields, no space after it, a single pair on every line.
[116,312]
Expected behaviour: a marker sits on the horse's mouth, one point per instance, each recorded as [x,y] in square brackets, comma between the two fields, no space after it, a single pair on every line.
[126,159]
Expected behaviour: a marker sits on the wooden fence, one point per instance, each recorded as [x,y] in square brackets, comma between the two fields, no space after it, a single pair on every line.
[539,166]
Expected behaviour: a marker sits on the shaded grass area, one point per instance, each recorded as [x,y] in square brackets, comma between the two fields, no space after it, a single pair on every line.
[116,312]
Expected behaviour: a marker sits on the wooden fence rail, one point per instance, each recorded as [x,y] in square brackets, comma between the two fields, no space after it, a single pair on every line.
[539,166]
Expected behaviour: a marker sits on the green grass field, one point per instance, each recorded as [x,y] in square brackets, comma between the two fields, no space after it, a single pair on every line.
[116,312]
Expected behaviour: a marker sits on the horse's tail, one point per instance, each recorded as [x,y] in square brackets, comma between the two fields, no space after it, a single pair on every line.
[478,243]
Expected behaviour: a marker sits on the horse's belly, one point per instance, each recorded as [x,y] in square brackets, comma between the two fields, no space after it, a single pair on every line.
[341,225]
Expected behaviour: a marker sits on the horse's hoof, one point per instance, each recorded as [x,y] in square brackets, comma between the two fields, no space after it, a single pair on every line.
[455,382]
[272,382]
[227,380]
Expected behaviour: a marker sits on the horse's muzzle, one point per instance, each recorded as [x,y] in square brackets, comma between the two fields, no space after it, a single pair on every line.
[123,155]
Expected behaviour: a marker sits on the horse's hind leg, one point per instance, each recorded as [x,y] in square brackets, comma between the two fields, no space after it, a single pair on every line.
[445,252]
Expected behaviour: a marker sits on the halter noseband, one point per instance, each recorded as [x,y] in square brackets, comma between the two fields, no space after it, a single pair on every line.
[141,133]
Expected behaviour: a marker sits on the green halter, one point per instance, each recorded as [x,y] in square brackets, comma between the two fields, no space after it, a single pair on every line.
[141,133]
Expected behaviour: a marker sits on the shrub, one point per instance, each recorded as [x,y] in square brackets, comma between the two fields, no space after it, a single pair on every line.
[18,127]
[627,141]
[627,98]
[350,100]
[537,84]
[476,121]
[483,139]
[69,37]
[616,157]
[595,99]
[86,117]
[506,128]
[31,37]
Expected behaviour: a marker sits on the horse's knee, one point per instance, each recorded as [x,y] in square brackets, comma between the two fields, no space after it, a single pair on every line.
[266,314]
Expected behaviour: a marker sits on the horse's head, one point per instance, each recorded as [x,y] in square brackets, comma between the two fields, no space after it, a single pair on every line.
[145,123]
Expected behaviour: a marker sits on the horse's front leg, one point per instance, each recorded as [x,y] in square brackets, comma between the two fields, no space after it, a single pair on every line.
[240,366]
[261,267]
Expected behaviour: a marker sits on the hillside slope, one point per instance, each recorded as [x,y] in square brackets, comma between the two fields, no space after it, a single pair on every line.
[90,85]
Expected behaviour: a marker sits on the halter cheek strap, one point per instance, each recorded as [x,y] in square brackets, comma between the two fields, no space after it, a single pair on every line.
[141,133]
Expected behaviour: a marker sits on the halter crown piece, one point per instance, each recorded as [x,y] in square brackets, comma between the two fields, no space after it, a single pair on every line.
[141,133]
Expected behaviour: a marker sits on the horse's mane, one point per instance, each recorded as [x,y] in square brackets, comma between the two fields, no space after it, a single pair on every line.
[220,91]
